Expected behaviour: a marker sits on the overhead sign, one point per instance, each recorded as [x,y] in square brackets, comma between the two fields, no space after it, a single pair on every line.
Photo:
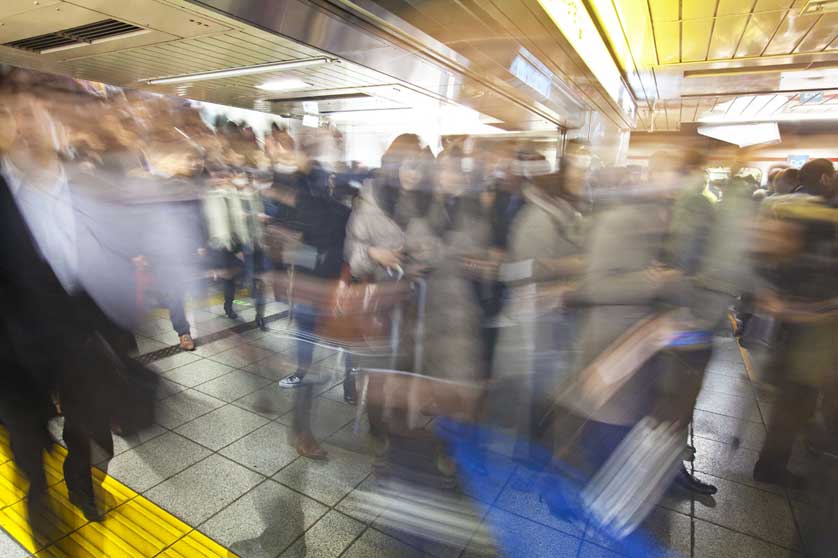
[529,74]
[797,161]
[811,97]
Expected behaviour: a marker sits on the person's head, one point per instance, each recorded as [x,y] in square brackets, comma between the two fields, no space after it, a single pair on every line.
[816,176]
[406,163]
[693,163]
[786,181]
[573,170]
[773,173]
[174,158]
[450,178]
[8,126]
[663,173]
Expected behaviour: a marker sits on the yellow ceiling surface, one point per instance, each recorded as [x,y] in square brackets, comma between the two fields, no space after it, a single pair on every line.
[656,41]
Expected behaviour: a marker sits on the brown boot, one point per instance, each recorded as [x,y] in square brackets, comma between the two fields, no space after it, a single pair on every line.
[186,342]
[307,446]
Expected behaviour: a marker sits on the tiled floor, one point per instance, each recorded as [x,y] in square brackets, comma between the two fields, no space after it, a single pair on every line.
[221,461]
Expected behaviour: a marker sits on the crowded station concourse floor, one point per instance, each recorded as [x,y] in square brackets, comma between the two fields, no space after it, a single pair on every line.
[216,478]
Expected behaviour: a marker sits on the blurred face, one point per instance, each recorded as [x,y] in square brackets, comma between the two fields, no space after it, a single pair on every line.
[578,164]
[451,180]
[411,174]
[37,132]
[8,127]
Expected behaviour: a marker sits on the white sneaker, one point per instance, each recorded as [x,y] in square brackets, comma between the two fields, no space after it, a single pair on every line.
[291,381]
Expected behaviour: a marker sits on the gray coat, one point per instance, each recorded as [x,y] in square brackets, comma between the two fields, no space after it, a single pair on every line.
[532,354]
[625,242]
[453,328]
[369,226]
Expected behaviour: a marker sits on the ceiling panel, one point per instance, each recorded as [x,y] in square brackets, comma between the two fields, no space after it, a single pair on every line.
[823,32]
[698,9]
[12,7]
[668,41]
[695,40]
[673,115]
[759,31]
[734,7]
[726,35]
[659,120]
[664,10]
[773,5]
[792,30]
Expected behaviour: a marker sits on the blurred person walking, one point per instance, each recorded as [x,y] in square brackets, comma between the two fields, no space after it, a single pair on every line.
[546,250]
[802,364]
[55,337]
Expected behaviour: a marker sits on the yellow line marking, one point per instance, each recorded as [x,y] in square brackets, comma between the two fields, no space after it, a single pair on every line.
[746,356]
[134,527]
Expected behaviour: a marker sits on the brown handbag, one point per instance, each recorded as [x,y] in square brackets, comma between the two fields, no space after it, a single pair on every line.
[350,312]
[359,312]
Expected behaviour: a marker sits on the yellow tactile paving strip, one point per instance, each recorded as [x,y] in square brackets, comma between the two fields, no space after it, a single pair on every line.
[134,527]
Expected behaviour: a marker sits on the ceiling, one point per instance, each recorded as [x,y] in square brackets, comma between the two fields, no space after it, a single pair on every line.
[174,37]
[683,57]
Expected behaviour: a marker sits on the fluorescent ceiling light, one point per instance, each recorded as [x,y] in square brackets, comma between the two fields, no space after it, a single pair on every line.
[781,117]
[292,84]
[743,135]
[809,80]
[242,71]
[575,23]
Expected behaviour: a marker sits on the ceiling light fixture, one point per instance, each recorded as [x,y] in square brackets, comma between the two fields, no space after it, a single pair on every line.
[242,71]
[292,84]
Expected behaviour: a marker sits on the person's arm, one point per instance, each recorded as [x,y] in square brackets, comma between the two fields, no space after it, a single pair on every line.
[357,245]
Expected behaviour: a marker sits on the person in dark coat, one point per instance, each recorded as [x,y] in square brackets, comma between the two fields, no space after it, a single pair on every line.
[54,336]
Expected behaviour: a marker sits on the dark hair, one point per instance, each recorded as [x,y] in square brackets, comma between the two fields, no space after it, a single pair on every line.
[785,181]
[812,172]
[387,188]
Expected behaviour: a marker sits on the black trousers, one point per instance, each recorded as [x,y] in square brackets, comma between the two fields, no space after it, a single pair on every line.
[794,407]
[80,437]
[25,419]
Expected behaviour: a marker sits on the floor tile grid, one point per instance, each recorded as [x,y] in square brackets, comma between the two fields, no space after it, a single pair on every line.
[745,360]
[162,432]
[692,514]
[748,363]
[212,451]
[69,533]
[370,527]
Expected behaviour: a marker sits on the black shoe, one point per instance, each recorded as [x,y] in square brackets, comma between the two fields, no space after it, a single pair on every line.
[260,323]
[690,454]
[87,505]
[690,482]
[231,313]
[780,476]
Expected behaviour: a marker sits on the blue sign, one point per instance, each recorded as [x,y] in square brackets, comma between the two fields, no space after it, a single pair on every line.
[525,71]
[811,97]
[797,161]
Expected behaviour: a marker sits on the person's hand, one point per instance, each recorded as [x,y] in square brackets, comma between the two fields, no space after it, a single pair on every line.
[385,257]
[140,262]
[478,267]
[769,301]
[663,275]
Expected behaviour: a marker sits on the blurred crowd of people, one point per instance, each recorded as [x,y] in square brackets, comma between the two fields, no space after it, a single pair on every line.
[572,310]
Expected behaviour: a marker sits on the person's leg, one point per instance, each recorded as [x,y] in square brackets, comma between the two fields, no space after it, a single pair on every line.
[681,377]
[350,392]
[794,407]
[77,467]
[229,297]
[306,318]
[28,438]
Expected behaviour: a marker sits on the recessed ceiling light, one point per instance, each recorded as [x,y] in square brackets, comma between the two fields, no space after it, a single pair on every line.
[242,71]
[291,84]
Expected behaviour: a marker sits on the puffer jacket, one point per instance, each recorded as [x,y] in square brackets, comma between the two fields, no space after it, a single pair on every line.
[368,227]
